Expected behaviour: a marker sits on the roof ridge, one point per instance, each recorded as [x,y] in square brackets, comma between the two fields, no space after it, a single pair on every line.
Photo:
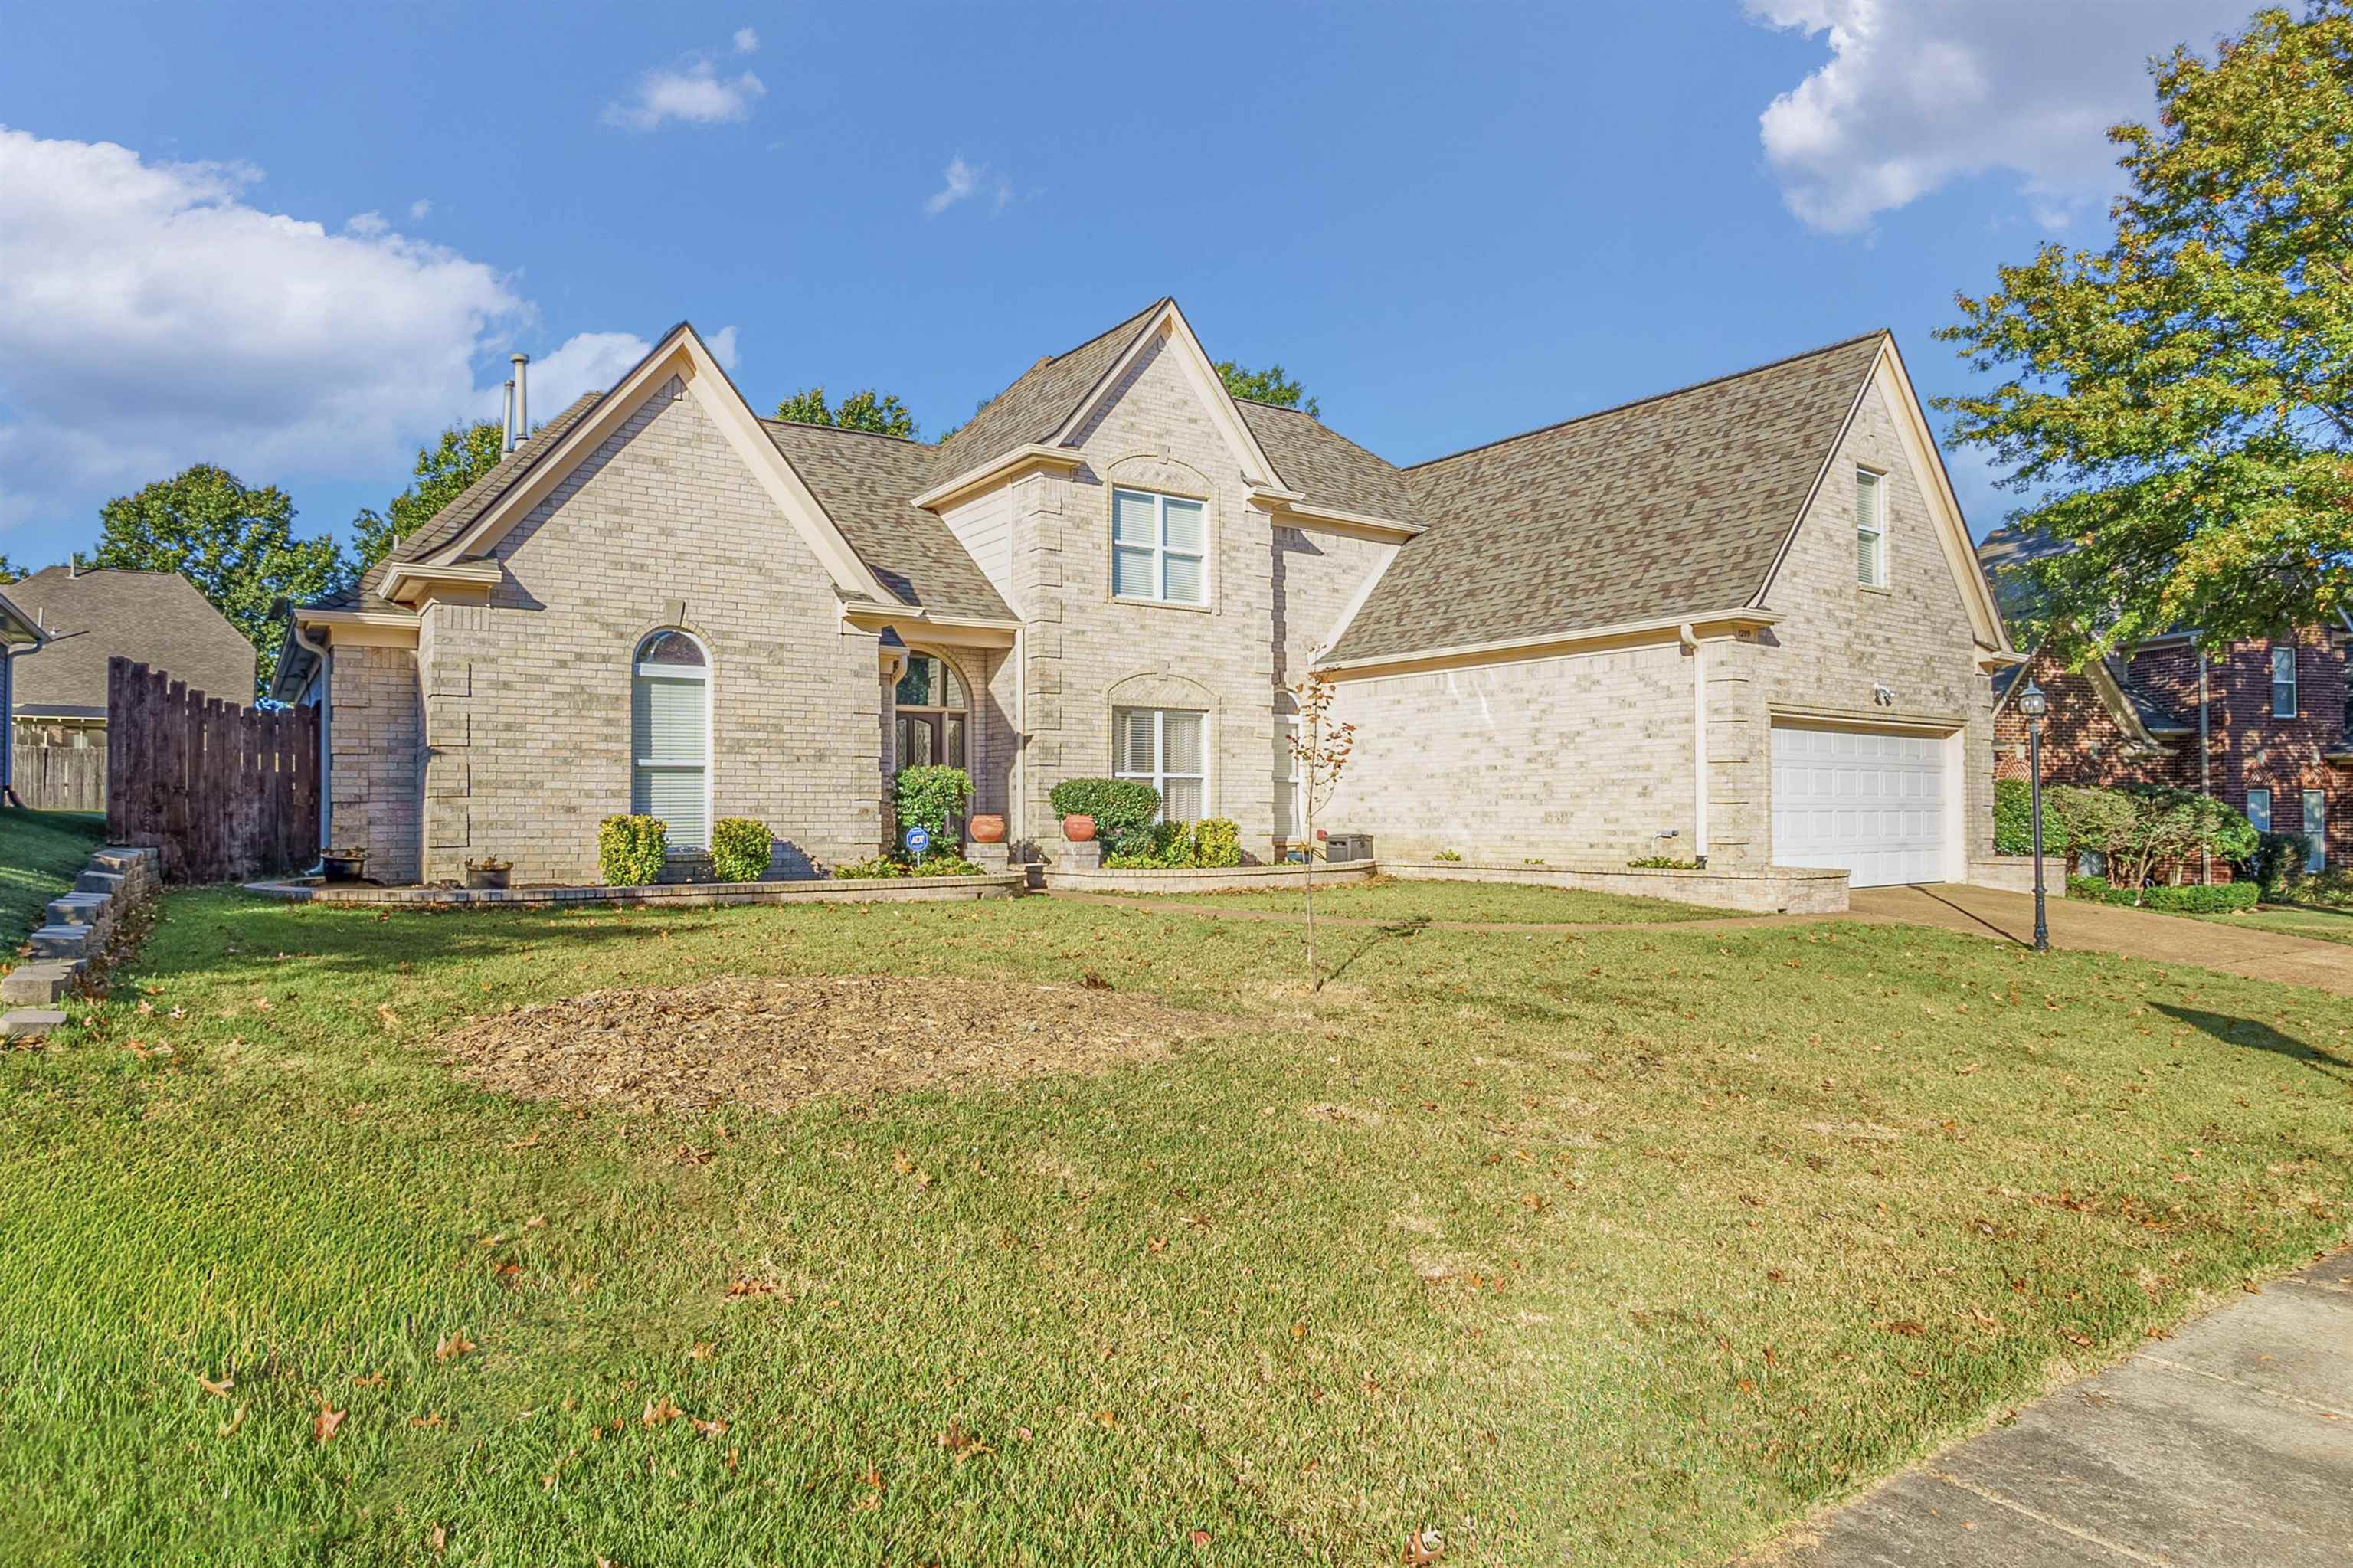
[847,431]
[1138,315]
[1656,397]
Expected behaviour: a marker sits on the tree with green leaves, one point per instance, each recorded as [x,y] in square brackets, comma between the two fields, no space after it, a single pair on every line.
[235,544]
[443,471]
[1272,384]
[2183,398]
[10,572]
[881,413]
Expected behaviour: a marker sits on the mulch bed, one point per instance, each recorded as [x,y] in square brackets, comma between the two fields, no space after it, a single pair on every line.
[770,1044]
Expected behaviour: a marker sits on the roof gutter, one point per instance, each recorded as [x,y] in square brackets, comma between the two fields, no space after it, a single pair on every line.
[1665,628]
[1002,469]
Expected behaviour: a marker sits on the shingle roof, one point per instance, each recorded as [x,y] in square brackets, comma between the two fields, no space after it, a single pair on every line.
[863,481]
[156,617]
[1327,466]
[1038,401]
[1676,505]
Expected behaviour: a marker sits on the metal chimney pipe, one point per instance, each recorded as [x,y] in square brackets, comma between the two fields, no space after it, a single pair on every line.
[506,419]
[522,398]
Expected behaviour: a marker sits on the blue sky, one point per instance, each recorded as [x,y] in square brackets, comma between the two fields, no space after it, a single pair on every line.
[296,239]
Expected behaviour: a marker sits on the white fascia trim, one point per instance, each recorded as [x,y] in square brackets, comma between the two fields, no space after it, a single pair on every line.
[334,618]
[1671,629]
[1258,469]
[1000,469]
[417,576]
[1289,506]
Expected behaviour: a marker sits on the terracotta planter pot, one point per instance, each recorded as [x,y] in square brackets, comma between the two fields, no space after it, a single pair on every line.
[988,829]
[1078,830]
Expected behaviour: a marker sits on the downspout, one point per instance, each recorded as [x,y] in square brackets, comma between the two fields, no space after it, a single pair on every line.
[1699,739]
[2205,765]
[325,655]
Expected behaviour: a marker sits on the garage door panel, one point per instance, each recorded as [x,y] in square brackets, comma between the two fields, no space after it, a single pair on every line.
[1872,804]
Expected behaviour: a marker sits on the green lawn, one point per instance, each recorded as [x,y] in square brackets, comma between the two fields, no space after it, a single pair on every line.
[1514,902]
[1626,1248]
[2295,920]
[40,853]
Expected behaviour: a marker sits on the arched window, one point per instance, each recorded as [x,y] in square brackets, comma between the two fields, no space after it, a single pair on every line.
[670,737]
[931,705]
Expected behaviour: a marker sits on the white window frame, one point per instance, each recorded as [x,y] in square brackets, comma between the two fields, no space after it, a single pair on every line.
[2264,792]
[2316,833]
[1873,527]
[639,669]
[1159,776]
[1158,550]
[2284,656]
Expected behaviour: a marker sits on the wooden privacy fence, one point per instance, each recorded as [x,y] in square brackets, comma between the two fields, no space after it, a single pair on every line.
[60,778]
[226,792]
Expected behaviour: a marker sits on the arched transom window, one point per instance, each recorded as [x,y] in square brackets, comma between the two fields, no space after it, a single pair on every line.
[670,737]
[931,705]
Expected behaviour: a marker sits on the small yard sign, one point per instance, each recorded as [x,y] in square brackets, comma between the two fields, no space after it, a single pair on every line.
[918,839]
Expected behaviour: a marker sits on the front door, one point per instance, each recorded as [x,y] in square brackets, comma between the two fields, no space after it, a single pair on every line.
[921,744]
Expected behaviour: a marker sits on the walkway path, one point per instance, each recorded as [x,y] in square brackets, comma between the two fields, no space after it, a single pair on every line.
[2108,929]
[2230,1444]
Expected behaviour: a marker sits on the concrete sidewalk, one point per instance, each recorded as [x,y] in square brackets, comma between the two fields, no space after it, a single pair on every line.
[2111,928]
[2227,1446]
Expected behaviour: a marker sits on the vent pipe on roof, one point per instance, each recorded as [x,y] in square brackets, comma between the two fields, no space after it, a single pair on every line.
[522,398]
[506,419]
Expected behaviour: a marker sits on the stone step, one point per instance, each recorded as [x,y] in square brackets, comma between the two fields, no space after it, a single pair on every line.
[30,1022]
[60,942]
[79,909]
[101,882]
[41,981]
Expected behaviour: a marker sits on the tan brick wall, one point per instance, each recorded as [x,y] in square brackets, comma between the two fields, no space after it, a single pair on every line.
[1270,598]
[527,697]
[374,735]
[1582,758]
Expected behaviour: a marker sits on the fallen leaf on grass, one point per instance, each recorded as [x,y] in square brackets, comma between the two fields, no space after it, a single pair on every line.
[1199,1537]
[452,1347]
[702,1351]
[370,1380]
[1910,1330]
[962,1444]
[1426,1546]
[713,1428]
[329,1422]
[1106,1419]
[530,1142]
[660,1412]
[431,1418]
[217,1390]
[236,1420]
[389,1019]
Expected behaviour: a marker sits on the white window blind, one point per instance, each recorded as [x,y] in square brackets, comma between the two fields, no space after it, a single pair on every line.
[1168,749]
[1870,531]
[669,750]
[1159,548]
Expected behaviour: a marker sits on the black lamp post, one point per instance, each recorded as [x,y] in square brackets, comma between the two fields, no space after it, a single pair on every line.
[2034,704]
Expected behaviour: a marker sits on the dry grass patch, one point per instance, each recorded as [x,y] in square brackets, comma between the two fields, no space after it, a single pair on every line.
[770,1044]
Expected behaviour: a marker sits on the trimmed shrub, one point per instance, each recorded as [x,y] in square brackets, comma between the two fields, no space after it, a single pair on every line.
[1664,863]
[739,849]
[2277,864]
[1217,842]
[895,866]
[927,797]
[630,850]
[2013,820]
[2222,897]
[1123,810]
[2330,889]
[864,870]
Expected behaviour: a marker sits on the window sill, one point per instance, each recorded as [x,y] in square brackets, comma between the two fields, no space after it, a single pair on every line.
[1881,589]
[1163,604]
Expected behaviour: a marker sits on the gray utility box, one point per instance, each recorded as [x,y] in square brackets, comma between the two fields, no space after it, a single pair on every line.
[1348,847]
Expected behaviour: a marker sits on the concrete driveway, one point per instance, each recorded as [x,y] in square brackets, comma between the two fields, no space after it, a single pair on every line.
[2230,1444]
[2108,929]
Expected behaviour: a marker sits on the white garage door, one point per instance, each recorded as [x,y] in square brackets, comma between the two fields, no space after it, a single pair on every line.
[1871,804]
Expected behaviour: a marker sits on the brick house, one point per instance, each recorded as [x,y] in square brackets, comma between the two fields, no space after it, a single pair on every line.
[1739,621]
[2260,724]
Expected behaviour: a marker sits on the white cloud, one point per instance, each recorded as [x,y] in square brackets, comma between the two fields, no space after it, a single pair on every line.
[419,208]
[370,224]
[721,344]
[1919,92]
[961,181]
[692,92]
[152,316]
[586,362]
[747,40]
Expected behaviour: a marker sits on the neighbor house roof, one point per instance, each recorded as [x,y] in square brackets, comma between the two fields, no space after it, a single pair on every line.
[1327,466]
[863,481]
[157,619]
[1675,505]
[1039,399]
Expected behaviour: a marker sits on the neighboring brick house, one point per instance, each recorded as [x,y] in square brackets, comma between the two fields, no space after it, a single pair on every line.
[2272,713]
[158,618]
[1740,621]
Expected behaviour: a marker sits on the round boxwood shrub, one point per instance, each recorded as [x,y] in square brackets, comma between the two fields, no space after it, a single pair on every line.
[739,849]
[1123,810]
[630,850]
[2013,820]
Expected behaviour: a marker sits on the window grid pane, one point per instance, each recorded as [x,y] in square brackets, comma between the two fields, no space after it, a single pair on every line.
[2315,830]
[1159,548]
[1867,530]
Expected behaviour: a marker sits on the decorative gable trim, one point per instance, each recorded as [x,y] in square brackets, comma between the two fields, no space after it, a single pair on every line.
[1888,375]
[999,471]
[1168,325]
[681,355]
[1289,506]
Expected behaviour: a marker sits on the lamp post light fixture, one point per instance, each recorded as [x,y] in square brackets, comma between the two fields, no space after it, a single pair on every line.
[2034,704]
